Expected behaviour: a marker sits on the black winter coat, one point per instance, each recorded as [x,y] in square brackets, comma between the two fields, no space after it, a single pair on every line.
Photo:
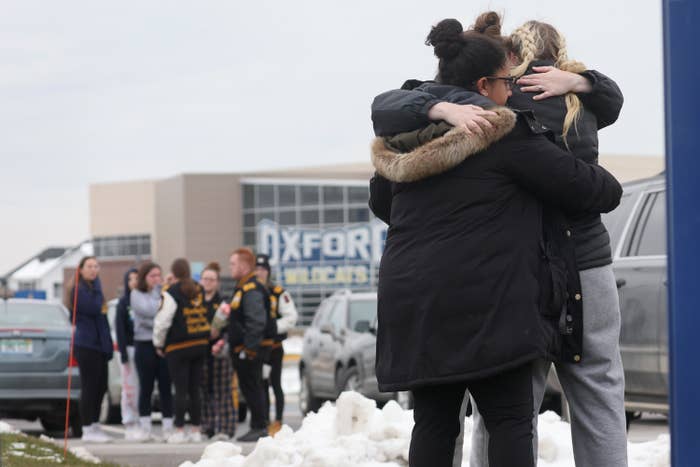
[459,293]
[123,321]
[580,241]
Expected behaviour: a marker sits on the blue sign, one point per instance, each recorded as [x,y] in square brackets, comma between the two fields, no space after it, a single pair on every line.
[35,294]
[342,257]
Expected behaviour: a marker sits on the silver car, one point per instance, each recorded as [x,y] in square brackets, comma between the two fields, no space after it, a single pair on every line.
[339,352]
[34,364]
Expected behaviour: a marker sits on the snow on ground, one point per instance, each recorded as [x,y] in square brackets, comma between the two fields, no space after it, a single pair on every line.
[6,428]
[355,433]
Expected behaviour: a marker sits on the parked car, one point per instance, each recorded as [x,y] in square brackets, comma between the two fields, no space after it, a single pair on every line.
[638,233]
[339,352]
[34,364]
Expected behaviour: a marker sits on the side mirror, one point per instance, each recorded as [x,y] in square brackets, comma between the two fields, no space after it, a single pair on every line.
[326,329]
[362,326]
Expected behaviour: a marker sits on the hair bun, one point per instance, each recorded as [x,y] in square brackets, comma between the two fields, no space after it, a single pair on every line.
[488,23]
[214,266]
[446,38]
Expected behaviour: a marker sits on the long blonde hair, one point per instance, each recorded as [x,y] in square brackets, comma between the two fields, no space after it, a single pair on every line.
[535,40]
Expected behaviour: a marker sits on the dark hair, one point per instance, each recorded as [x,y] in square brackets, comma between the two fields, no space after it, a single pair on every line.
[181,270]
[488,23]
[144,270]
[465,57]
[214,267]
[69,292]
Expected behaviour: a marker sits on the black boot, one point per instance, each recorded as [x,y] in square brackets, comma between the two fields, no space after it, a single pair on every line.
[252,436]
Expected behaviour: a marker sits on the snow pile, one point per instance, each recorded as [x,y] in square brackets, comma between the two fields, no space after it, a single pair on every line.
[354,433]
[7,428]
[84,455]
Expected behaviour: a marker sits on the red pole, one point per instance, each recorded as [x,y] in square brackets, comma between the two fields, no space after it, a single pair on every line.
[70,359]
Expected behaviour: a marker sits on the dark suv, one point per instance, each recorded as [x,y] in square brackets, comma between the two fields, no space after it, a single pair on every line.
[339,351]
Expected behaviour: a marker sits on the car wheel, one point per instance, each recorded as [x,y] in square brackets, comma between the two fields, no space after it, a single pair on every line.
[350,380]
[629,416]
[51,424]
[307,401]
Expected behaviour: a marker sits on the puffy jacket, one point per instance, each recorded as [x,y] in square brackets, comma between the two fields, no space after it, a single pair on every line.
[123,321]
[407,109]
[460,291]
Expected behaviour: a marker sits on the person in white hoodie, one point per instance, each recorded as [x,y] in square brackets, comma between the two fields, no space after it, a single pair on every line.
[145,301]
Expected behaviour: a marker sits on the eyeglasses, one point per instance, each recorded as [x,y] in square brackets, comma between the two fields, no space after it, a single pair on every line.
[509,80]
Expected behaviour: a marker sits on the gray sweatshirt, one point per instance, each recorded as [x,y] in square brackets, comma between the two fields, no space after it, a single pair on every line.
[144,305]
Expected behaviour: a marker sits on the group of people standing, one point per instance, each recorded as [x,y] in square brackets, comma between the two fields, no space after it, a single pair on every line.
[183,335]
[490,172]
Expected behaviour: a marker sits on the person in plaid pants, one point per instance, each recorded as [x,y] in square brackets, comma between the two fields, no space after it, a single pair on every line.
[218,414]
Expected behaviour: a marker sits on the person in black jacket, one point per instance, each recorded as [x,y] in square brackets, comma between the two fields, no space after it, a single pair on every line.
[181,334]
[247,318]
[124,324]
[92,345]
[574,104]
[473,205]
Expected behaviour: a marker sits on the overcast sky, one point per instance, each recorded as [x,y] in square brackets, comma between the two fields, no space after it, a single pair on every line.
[123,90]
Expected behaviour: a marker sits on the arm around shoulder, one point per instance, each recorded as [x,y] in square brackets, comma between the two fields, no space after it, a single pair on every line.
[558,178]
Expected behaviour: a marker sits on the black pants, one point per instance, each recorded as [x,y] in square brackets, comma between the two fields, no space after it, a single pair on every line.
[186,370]
[275,359]
[251,385]
[93,383]
[150,367]
[505,402]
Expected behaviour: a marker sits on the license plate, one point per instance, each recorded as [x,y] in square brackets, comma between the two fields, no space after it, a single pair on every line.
[16,346]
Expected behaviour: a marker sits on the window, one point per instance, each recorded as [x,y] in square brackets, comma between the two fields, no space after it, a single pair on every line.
[332,194]
[122,246]
[358,215]
[653,237]
[358,194]
[338,319]
[249,220]
[310,217]
[248,196]
[322,313]
[249,238]
[25,314]
[287,195]
[288,218]
[309,195]
[333,216]
[616,220]
[266,196]
[362,310]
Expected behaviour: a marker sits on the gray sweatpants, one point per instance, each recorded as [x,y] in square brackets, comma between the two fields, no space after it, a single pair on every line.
[595,387]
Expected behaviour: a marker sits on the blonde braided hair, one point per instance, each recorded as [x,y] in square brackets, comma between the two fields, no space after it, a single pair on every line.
[536,40]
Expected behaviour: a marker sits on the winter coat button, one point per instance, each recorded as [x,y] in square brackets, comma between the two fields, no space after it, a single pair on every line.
[568,233]
[577,297]
[569,318]
[577,358]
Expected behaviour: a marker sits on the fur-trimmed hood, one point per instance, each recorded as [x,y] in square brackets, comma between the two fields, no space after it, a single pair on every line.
[441,154]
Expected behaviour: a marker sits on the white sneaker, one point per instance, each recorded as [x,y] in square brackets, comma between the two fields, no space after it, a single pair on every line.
[195,437]
[220,437]
[93,434]
[132,432]
[178,437]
